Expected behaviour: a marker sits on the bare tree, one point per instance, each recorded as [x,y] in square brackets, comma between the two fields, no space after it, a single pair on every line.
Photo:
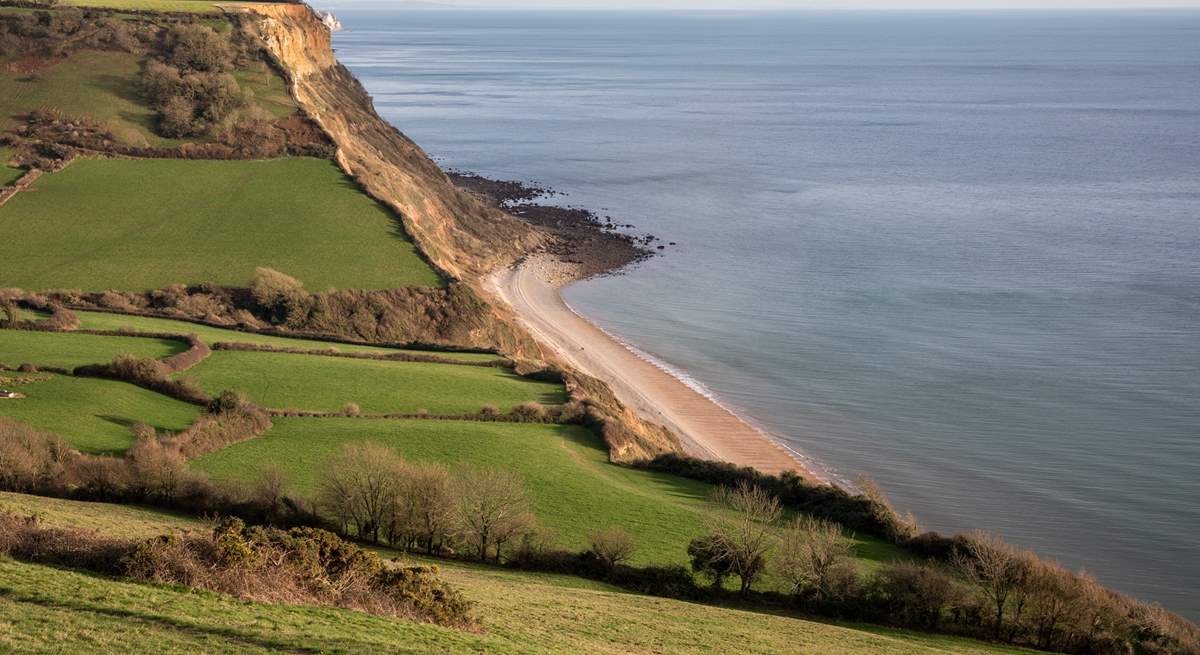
[358,487]
[742,542]
[816,558]
[269,487]
[612,546]
[493,508]
[159,470]
[425,508]
[1000,571]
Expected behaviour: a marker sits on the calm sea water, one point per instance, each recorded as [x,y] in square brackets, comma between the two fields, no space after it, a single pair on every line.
[957,252]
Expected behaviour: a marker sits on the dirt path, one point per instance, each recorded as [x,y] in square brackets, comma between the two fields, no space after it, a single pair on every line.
[707,429]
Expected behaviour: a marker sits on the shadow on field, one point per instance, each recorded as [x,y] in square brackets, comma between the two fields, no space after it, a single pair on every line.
[228,634]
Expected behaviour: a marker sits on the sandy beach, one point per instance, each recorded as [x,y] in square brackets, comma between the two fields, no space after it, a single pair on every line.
[706,428]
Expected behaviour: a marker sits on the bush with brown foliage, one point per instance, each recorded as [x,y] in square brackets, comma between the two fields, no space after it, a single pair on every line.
[280,297]
[223,425]
[148,373]
[915,595]
[195,47]
[816,559]
[298,566]
[612,546]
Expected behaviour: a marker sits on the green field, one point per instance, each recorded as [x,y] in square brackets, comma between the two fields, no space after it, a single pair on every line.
[211,335]
[193,6]
[575,489]
[145,224]
[50,610]
[8,174]
[316,383]
[100,85]
[269,89]
[105,87]
[68,350]
[93,415]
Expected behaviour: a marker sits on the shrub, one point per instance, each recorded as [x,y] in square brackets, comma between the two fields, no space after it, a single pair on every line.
[351,409]
[710,557]
[177,118]
[420,588]
[227,401]
[817,561]
[914,595]
[198,48]
[62,319]
[612,546]
[530,412]
[279,296]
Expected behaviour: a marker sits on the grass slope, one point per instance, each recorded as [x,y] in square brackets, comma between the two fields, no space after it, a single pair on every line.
[105,86]
[575,489]
[103,321]
[68,350]
[8,174]
[144,224]
[94,415]
[192,6]
[100,85]
[281,380]
[51,610]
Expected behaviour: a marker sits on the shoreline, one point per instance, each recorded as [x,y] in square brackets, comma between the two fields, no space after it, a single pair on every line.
[707,429]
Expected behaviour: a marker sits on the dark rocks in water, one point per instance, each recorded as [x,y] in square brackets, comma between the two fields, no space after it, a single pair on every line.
[579,235]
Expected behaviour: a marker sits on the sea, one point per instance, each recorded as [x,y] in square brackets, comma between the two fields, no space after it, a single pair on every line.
[956,252]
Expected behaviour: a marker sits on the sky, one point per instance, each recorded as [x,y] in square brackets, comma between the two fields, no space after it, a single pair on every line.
[783,4]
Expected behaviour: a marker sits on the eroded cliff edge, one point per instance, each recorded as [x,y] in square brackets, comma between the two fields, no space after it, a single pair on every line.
[463,237]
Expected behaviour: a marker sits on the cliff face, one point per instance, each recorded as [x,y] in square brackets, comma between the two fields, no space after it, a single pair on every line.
[460,235]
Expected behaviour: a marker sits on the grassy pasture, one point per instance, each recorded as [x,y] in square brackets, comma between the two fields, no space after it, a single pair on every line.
[211,335]
[575,490]
[8,174]
[100,85]
[47,609]
[68,350]
[92,415]
[191,6]
[105,86]
[144,224]
[269,90]
[281,380]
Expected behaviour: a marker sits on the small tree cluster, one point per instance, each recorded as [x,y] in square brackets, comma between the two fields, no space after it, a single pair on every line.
[189,103]
[369,491]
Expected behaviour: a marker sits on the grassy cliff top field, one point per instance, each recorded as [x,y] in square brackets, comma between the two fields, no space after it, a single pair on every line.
[95,416]
[191,6]
[53,610]
[105,86]
[67,350]
[143,224]
[318,383]
[101,85]
[575,489]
